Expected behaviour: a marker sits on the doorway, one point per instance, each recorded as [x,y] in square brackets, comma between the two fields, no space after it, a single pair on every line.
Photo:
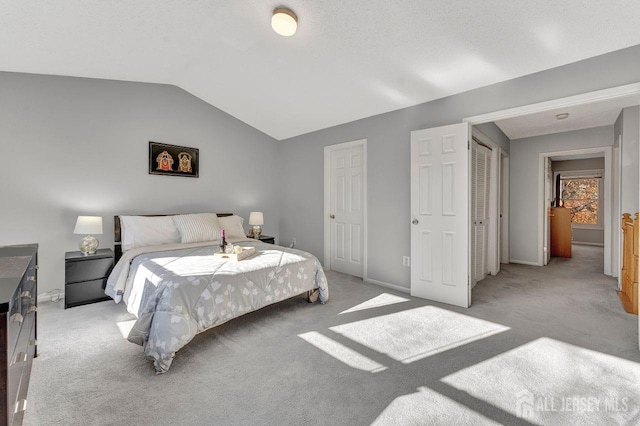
[345,207]
[598,233]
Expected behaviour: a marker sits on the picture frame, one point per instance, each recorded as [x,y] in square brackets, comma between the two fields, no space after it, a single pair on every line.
[173,160]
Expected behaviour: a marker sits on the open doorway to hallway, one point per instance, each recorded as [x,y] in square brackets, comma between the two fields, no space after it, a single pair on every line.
[615,112]
[580,203]
[584,169]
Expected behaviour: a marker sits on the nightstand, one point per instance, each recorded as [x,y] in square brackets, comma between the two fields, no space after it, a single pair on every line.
[265,239]
[86,277]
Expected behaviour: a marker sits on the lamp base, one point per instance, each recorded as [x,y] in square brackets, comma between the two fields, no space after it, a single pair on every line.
[257,230]
[88,245]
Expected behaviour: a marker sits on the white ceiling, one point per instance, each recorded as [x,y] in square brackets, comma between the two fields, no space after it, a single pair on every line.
[349,60]
[585,116]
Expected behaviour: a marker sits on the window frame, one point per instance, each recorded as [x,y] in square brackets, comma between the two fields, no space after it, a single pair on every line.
[588,174]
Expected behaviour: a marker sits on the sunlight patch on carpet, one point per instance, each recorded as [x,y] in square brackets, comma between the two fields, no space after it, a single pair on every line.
[342,353]
[427,407]
[125,327]
[383,299]
[418,333]
[551,382]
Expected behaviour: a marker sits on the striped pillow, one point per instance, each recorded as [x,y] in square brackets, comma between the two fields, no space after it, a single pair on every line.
[197,227]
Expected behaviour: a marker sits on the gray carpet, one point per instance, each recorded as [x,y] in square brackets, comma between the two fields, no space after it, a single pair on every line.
[550,344]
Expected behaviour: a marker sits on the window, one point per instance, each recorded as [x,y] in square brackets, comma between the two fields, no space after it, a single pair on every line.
[582,196]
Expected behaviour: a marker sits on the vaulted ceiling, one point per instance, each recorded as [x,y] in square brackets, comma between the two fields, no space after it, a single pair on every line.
[349,59]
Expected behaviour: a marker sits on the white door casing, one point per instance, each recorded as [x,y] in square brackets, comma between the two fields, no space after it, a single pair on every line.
[493,241]
[504,209]
[548,198]
[440,214]
[346,208]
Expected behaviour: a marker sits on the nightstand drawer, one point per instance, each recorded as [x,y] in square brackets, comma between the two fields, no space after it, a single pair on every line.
[85,292]
[86,270]
[264,238]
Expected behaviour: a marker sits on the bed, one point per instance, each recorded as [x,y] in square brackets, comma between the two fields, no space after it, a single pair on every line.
[178,288]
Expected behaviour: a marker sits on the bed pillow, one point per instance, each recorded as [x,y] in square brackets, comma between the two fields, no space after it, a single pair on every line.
[142,231]
[197,227]
[232,226]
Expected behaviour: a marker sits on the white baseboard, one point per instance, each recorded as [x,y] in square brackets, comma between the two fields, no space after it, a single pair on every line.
[46,297]
[391,286]
[523,262]
[580,243]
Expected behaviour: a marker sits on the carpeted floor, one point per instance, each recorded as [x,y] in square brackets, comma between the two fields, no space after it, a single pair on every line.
[539,346]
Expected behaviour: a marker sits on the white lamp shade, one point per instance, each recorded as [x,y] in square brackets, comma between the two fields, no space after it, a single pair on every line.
[256,218]
[284,22]
[88,225]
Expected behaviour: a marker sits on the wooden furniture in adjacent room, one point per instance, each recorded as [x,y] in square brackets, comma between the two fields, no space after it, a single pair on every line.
[560,232]
[18,326]
[86,277]
[629,290]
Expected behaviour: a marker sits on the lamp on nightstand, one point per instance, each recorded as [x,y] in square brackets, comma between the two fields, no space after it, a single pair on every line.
[257,220]
[88,225]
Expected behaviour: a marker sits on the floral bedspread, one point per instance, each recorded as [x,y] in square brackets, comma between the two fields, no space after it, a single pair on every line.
[176,294]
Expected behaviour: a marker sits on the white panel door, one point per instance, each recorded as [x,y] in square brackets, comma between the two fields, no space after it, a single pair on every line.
[440,214]
[480,183]
[346,210]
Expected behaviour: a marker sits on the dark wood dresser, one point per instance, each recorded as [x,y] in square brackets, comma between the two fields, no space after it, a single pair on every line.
[18,324]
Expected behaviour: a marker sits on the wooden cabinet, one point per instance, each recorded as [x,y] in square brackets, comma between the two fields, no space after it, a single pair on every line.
[18,328]
[560,232]
[86,277]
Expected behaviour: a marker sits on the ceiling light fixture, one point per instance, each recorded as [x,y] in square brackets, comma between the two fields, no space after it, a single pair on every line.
[284,22]
[562,116]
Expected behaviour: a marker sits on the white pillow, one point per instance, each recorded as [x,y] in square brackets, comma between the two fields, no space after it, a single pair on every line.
[142,231]
[197,227]
[232,226]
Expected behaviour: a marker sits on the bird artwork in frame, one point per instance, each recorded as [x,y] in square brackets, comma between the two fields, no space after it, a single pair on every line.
[173,160]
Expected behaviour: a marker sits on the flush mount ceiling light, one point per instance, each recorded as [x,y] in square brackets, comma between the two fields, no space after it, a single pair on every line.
[284,22]
[562,116]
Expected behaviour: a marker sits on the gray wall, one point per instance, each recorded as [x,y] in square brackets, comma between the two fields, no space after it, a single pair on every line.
[74,146]
[523,203]
[388,138]
[583,235]
[628,125]
[496,135]
[578,165]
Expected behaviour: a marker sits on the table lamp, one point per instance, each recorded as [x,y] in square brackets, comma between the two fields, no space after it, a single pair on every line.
[257,220]
[88,225]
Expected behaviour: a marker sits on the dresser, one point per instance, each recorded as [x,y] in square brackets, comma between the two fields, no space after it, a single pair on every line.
[86,277]
[560,232]
[18,326]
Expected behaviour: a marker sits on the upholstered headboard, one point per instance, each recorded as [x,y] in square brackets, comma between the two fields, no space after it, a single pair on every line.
[117,231]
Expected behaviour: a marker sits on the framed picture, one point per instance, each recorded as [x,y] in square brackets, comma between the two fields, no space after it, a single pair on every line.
[173,160]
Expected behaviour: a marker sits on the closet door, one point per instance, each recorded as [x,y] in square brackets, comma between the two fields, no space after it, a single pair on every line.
[480,173]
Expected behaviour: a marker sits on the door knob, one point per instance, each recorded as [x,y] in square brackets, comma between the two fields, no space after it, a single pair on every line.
[415,221]
[332,216]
